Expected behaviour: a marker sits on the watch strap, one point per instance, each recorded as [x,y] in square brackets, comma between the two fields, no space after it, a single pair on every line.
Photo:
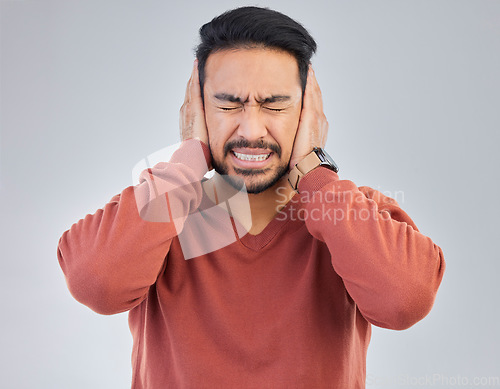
[310,162]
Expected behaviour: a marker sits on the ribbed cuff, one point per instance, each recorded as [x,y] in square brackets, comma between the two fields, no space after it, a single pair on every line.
[190,154]
[321,177]
[317,179]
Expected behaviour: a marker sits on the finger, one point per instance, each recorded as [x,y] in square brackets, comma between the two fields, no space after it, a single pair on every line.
[187,96]
[315,91]
[305,100]
[195,83]
[309,98]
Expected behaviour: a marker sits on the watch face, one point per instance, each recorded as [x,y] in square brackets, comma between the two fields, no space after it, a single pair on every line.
[326,160]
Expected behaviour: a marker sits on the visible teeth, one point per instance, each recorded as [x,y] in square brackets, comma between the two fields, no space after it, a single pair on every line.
[251,157]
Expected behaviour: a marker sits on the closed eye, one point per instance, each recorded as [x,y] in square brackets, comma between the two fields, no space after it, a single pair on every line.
[270,109]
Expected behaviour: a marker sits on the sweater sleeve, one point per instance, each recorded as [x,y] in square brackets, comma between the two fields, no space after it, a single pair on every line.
[111,258]
[390,269]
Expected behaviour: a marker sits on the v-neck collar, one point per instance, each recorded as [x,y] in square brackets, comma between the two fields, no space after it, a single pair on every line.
[287,214]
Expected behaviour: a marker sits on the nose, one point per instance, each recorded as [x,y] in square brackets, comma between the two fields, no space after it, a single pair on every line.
[251,125]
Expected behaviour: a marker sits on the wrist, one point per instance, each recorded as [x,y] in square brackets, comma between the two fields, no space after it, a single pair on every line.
[317,157]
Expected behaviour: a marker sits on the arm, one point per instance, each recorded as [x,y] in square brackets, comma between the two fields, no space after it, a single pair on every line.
[111,258]
[391,270]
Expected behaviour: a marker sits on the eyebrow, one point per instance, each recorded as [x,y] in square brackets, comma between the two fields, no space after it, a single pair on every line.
[234,99]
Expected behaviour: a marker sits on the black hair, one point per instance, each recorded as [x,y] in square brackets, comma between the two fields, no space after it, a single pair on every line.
[253,27]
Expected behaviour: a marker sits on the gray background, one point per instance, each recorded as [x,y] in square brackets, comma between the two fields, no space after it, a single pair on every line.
[89,88]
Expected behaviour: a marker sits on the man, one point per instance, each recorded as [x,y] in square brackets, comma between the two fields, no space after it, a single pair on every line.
[288,304]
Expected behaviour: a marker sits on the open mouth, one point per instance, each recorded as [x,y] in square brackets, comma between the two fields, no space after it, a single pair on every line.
[251,157]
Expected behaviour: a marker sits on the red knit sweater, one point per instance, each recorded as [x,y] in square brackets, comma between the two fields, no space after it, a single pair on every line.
[290,307]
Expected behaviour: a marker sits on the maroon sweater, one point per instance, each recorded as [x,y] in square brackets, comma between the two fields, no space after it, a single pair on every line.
[290,307]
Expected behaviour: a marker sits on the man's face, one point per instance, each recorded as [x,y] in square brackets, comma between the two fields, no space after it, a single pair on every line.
[252,110]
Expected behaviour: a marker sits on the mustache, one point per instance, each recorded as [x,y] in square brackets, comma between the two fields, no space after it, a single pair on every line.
[260,144]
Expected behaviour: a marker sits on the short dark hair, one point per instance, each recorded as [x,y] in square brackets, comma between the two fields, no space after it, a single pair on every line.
[251,27]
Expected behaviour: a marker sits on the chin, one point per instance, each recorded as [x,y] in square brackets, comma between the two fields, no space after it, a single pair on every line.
[255,180]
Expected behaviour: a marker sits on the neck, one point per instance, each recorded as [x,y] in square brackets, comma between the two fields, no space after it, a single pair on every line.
[253,211]
[265,205]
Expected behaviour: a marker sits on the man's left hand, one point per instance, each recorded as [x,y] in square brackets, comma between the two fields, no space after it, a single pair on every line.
[313,126]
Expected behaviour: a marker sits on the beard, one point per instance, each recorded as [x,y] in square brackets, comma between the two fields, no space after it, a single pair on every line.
[260,182]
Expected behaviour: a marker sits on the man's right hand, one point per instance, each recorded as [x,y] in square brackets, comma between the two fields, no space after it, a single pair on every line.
[192,115]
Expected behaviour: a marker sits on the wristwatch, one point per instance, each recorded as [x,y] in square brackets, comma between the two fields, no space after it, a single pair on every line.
[317,157]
